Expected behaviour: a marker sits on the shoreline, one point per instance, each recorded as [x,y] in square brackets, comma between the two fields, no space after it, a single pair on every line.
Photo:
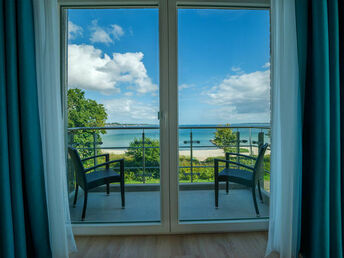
[201,155]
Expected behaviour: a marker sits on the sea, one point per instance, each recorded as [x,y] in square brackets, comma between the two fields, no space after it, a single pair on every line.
[201,137]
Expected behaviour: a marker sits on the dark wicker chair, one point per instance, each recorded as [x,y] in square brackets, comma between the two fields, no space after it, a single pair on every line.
[249,176]
[88,181]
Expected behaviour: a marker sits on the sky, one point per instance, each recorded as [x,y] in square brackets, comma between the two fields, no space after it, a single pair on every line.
[223,64]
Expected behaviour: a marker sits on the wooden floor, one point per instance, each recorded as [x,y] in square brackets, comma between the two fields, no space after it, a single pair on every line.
[239,245]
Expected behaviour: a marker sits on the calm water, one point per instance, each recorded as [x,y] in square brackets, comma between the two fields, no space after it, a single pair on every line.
[122,137]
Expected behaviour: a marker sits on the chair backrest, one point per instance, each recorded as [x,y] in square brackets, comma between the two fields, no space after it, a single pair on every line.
[259,166]
[78,167]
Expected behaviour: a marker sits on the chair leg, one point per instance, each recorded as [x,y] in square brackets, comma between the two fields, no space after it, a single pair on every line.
[260,192]
[75,195]
[85,206]
[107,189]
[216,192]
[122,193]
[227,186]
[255,200]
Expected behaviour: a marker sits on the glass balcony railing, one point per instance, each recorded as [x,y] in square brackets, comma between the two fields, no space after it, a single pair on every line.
[198,146]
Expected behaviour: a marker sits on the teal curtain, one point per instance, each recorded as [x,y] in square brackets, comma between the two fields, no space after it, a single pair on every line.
[23,213]
[320,33]
[341,53]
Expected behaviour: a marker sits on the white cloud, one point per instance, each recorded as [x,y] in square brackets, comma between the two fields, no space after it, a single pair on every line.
[185,86]
[117,31]
[244,96]
[236,69]
[99,35]
[266,65]
[74,30]
[126,110]
[103,35]
[90,69]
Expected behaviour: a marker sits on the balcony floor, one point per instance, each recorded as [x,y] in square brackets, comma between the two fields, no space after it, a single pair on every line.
[144,206]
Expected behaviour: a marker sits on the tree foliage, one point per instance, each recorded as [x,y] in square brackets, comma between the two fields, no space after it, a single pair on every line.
[225,137]
[152,155]
[83,112]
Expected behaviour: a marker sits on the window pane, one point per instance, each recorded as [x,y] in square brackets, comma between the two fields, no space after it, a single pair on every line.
[224,106]
[113,101]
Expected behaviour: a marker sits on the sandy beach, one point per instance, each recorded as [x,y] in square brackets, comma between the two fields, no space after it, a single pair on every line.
[198,154]
[201,155]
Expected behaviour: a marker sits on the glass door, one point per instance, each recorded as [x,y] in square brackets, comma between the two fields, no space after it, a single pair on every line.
[169,89]
[223,107]
[113,106]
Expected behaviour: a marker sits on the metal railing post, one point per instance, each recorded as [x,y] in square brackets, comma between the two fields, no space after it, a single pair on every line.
[95,147]
[260,140]
[143,157]
[191,154]
[238,146]
[250,140]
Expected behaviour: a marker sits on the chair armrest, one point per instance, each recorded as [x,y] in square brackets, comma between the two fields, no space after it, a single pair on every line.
[97,156]
[231,162]
[241,155]
[121,161]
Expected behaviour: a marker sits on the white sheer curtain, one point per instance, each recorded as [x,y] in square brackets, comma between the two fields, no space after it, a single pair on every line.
[51,119]
[286,133]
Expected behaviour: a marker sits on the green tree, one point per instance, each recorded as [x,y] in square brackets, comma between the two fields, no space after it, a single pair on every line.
[83,112]
[225,137]
[152,156]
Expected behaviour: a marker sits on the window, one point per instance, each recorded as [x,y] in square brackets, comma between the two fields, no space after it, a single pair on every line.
[168,94]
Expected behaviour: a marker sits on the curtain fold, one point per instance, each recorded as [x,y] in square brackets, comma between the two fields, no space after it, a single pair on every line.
[341,70]
[286,151]
[23,214]
[320,47]
[52,126]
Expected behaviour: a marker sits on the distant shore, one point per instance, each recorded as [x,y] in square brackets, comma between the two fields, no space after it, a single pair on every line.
[201,155]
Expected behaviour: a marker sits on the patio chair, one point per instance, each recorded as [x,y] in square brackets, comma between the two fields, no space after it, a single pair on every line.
[88,181]
[249,176]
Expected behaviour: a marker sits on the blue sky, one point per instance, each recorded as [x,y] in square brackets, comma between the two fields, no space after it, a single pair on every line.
[223,64]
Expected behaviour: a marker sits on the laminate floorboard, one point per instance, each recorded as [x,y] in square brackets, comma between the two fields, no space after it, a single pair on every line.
[241,245]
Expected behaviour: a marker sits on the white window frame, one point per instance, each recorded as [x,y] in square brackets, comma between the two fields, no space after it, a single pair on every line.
[168,63]
[255,224]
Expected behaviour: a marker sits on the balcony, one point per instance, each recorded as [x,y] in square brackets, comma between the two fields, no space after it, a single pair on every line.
[139,146]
